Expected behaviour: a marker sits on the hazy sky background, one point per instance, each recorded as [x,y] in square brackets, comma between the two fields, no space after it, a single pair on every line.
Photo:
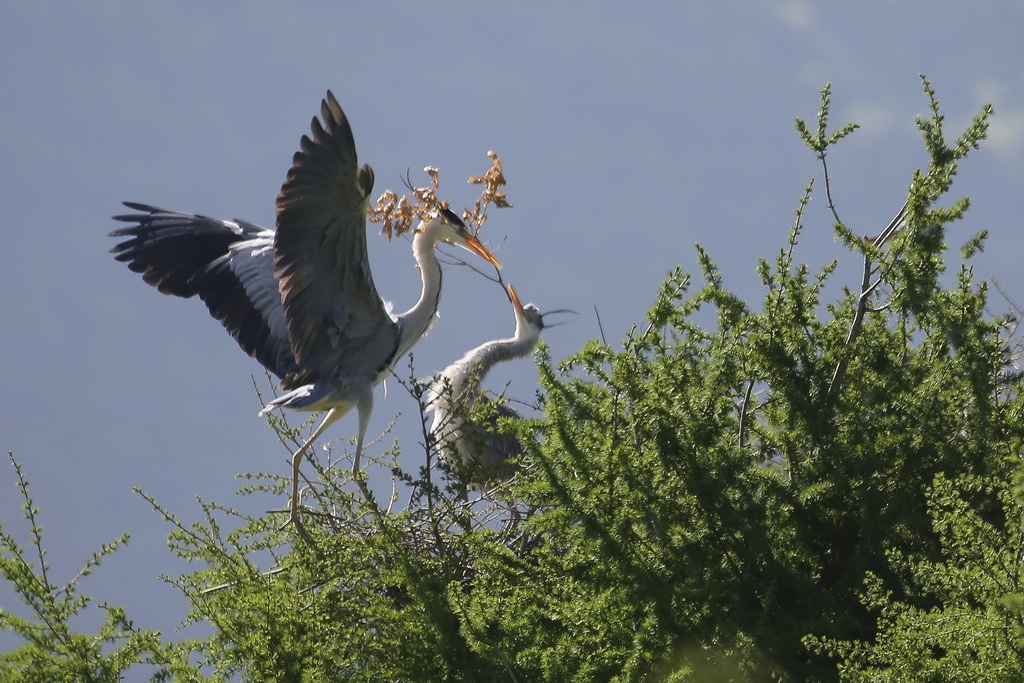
[629,132]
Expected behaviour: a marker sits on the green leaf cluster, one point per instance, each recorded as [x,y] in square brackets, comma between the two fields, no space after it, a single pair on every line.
[53,650]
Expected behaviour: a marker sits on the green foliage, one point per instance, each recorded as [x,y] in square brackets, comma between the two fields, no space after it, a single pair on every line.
[53,650]
[744,520]
[716,496]
[370,595]
[816,487]
[963,619]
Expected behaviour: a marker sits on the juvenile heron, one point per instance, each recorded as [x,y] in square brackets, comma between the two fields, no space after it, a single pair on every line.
[481,453]
[301,300]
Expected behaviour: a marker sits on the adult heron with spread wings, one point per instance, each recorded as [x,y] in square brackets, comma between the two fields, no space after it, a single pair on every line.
[301,300]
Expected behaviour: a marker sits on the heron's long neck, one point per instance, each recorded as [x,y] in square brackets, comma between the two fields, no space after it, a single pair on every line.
[472,367]
[458,383]
[416,322]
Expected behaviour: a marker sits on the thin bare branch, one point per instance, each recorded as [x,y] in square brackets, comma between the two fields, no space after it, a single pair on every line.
[828,189]
[858,319]
[867,287]
[743,413]
[600,327]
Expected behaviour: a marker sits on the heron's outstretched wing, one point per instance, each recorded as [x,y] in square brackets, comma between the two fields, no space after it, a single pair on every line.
[169,247]
[335,318]
[228,264]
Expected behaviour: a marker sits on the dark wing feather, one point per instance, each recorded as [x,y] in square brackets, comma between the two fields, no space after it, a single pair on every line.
[169,247]
[501,446]
[335,318]
[240,290]
[486,450]
[228,264]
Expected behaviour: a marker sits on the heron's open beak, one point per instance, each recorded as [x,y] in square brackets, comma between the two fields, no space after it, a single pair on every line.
[475,246]
[514,298]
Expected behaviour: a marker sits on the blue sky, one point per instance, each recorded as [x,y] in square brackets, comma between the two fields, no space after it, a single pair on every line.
[628,134]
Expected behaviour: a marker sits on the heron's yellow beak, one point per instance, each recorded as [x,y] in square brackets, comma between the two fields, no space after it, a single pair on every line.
[475,246]
[514,298]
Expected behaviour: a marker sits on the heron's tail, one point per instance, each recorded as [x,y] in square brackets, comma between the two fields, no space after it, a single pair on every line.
[310,397]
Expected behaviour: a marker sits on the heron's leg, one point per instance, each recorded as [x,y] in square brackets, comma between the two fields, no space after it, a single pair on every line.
[332,415]
[365,409]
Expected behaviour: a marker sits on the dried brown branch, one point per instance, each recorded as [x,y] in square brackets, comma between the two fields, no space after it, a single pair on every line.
[493,180]
[399,213]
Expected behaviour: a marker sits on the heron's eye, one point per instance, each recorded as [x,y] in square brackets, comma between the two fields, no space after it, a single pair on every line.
[450,217]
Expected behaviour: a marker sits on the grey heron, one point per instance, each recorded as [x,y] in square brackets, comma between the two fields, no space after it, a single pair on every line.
[456,388]
[301,299]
